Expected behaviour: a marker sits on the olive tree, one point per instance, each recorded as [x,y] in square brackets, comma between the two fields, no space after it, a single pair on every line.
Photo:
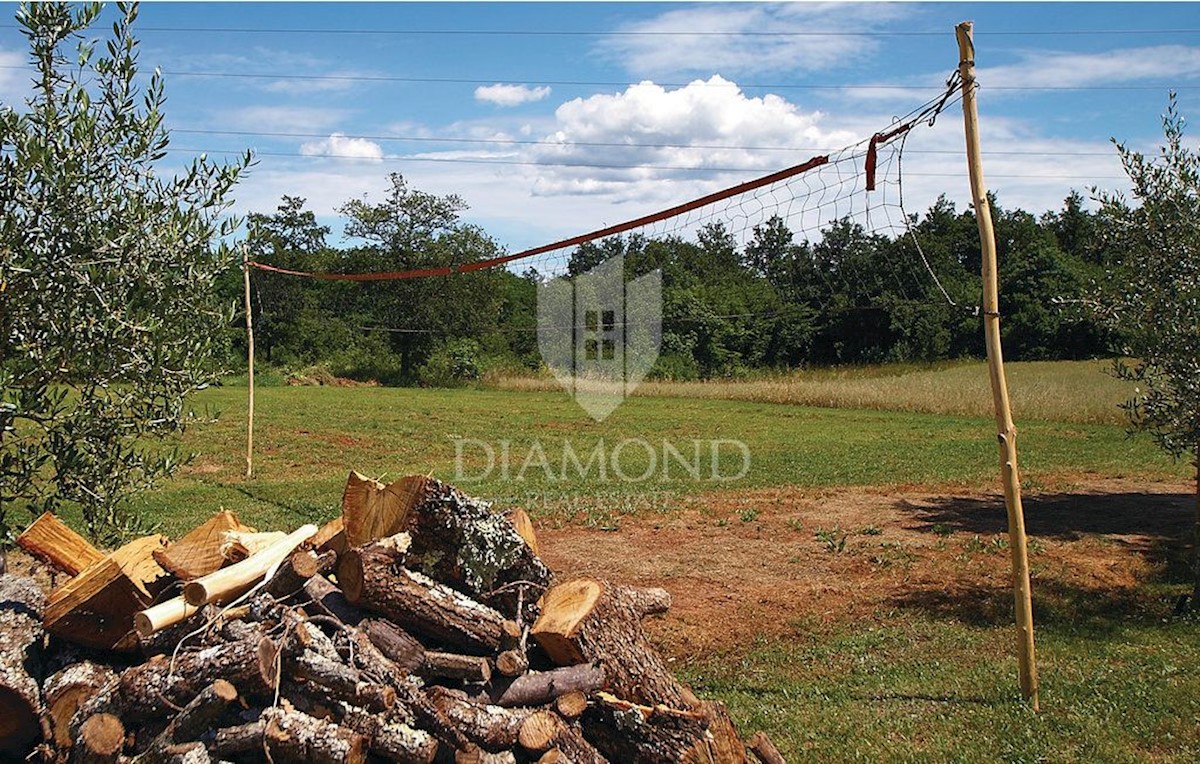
[1151,298]
[107,272]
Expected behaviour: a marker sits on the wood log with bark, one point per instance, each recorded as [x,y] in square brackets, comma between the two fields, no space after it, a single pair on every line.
[101,739]
[295,736]
[461,541]
[151,688]
[372,577]
[587,620]
[22,603]
[66,690]
[418,652]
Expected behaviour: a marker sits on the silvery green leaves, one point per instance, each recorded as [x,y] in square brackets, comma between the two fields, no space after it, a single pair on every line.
[107,266]
[1151,298]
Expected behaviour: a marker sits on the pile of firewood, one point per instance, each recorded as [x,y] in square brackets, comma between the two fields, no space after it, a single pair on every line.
[419,626]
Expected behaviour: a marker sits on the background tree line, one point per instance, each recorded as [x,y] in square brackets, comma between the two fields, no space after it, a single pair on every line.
[849,296]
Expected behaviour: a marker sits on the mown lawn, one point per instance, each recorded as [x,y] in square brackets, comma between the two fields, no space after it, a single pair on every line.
[906,685]
[308,438]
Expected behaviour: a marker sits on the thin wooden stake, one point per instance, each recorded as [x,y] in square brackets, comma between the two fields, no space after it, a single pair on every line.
[249,370]
[1007,431]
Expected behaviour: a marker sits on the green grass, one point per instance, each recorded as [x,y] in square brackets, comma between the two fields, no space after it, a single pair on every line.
[919,689]
[308,438]
[911,684]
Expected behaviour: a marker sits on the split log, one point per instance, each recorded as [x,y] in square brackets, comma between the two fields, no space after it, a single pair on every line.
[586,620]
[242,739]
[571,747]
[21,606]
[101,738]
[249,665]
[460,541]
[524,527]
[763,749]
[371,510]
[331,537]
[50,540]
[540,687]
[227,583]
[399,646]
[327,599]
[490,727]
[195,719]
[463,668]
[343,682]
[66,690]
[371,577]
[198,553]
[97,607]
[295,736]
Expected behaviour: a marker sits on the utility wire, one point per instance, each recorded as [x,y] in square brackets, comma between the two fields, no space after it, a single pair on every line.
[594,166]
[649,32]
[594,144]
[625,84]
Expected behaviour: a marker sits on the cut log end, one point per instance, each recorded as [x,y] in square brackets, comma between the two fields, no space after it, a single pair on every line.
[101,738]
[564,608]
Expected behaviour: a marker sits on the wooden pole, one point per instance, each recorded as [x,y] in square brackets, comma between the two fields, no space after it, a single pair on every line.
[1007,431]
[249,369]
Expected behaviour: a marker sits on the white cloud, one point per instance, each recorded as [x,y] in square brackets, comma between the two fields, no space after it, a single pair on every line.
[342,147]
[510,95]
[1111,67]
[775,37]
[706,125]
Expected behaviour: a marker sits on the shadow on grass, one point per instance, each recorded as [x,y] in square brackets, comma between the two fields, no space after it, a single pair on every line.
[1153,525]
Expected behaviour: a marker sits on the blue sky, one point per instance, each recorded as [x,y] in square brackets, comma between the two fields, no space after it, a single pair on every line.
[325,92]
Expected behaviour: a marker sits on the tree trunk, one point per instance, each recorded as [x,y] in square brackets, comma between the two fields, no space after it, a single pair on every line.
[1196,542]
[22,603]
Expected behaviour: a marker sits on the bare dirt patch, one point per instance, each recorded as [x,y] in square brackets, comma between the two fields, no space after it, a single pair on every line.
[781,561]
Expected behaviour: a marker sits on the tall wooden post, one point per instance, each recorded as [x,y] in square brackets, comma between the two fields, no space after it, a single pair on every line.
[249,369]
[1006,430]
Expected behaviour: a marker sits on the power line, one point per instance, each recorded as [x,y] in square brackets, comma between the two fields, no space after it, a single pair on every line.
[593,166]
[626,84]
[648,32]
[594,144]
